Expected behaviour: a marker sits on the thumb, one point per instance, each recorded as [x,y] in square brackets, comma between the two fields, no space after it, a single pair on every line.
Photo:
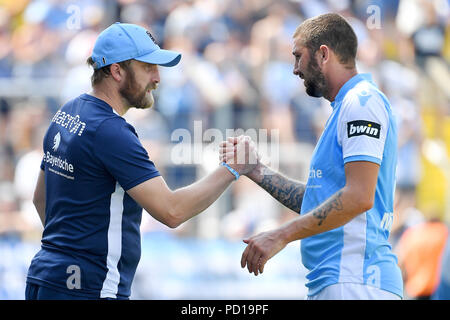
[246,240]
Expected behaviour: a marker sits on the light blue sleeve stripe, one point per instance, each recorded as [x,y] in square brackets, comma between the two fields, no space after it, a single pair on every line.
[362,158]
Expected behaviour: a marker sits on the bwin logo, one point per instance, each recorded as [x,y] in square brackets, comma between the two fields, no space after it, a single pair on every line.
[56,141]
[363,127]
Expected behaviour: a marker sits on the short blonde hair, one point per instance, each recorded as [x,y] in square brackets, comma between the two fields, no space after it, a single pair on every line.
[332,30]
[104,72]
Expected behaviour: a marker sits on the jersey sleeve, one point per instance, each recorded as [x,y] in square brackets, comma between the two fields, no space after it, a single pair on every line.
[119,149]
[363,127]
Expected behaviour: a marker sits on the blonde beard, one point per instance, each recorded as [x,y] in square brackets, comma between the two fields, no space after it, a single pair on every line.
[151,100]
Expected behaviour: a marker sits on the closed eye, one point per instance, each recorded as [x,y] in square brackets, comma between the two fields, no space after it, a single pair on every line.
[297,57]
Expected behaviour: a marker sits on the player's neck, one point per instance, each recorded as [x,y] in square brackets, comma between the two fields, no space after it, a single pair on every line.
[111,97]
[337,79]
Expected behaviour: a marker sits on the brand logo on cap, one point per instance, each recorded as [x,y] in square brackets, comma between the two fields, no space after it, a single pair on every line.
[151,37]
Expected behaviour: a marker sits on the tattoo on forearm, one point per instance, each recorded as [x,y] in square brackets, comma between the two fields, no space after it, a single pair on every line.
[289,193]
[334,203]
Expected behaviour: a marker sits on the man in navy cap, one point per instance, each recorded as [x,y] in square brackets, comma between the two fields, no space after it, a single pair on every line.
[96,177]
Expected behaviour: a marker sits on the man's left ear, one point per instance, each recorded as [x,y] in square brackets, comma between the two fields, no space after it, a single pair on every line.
[324,54]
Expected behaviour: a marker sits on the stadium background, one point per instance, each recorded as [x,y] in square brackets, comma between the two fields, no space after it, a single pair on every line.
[236,72]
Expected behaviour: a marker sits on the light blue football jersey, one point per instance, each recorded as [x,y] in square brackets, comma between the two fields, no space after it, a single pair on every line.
[361,127]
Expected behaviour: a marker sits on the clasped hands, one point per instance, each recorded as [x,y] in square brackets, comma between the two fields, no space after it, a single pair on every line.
[240,153]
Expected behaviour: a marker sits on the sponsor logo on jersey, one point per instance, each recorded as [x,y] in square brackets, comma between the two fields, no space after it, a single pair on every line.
[363,96]
[387,221]
[58,162]
[72,123]
[363,127]
[58,165]
[56,141]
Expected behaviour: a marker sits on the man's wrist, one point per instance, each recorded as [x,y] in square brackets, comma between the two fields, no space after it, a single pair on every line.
[231,170]
[257,173]
[287,232]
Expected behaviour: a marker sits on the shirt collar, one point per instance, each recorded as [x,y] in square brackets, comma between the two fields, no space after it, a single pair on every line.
[102,102]
[349,85]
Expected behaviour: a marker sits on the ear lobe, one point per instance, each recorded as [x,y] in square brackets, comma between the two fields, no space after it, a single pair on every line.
[324,53]
[116,72]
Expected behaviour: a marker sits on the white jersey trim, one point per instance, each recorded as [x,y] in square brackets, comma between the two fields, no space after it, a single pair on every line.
[353,250]
[112,280]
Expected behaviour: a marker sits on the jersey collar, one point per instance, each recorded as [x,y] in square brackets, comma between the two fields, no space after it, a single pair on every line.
[99,101]
[349,85]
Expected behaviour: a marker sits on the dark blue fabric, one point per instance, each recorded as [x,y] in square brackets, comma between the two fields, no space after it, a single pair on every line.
[91,156]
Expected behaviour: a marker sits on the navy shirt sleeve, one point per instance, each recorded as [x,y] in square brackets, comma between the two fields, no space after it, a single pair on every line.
[119,149]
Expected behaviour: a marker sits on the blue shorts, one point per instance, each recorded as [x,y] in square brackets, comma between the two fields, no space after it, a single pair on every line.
[37,292]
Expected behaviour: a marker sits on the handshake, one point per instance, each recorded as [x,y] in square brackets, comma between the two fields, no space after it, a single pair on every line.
[239,153]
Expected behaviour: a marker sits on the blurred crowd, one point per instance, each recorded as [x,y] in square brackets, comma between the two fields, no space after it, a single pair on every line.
[235,72]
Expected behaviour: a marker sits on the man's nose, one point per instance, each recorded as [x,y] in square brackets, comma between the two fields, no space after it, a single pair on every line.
[295,71]
[298,73]
[155,76]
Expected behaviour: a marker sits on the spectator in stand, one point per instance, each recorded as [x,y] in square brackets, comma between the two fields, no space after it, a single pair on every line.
[419,259]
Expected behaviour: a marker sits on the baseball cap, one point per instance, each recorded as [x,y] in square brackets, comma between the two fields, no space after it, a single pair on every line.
[124,41]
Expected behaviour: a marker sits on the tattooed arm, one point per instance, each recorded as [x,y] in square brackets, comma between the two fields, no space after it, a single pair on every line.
[288,192]
[355,197]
